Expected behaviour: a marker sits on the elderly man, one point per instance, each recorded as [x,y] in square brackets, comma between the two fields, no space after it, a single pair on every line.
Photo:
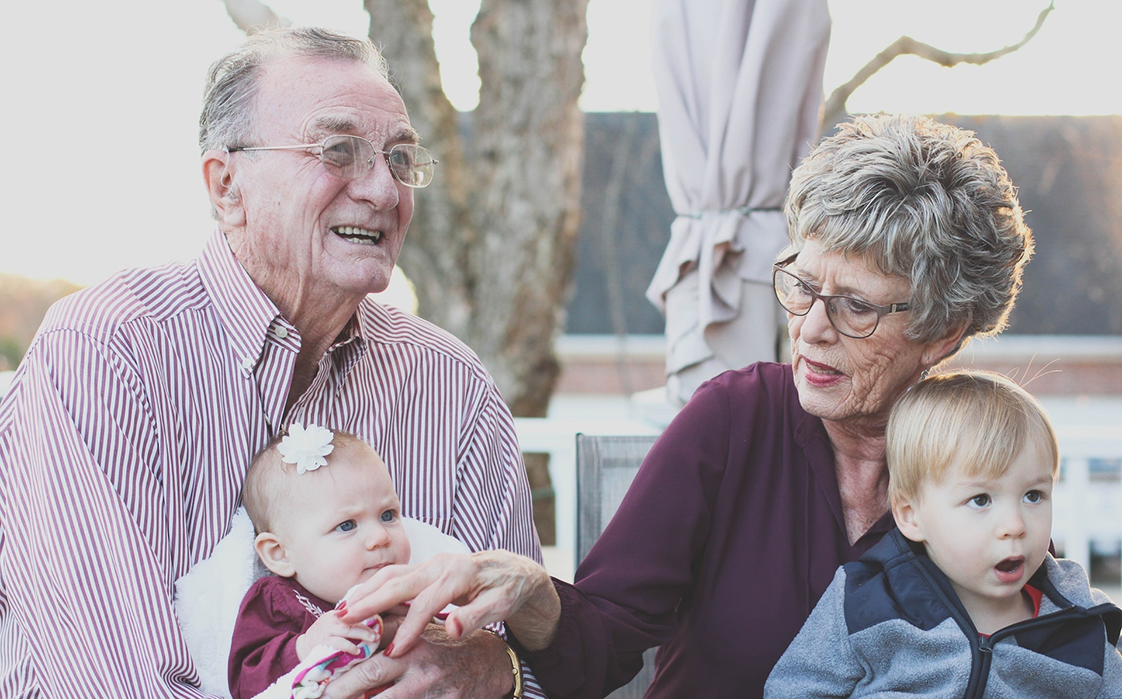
[127,431]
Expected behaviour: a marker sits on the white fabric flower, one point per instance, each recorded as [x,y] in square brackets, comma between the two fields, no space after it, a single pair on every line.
[306,447]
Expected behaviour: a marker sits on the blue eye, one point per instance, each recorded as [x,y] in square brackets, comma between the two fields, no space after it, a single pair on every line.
[346,526]
[388,516]
[340,151]
[401,158]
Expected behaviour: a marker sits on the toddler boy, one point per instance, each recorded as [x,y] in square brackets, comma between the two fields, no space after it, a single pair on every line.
[963,598]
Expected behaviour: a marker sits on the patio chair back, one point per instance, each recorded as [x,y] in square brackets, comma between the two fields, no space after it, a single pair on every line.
[606,465]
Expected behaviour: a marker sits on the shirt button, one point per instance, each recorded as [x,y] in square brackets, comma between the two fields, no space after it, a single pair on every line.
[247,364]
[280,332]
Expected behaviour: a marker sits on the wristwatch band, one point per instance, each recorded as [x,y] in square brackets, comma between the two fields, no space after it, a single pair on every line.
[515,668]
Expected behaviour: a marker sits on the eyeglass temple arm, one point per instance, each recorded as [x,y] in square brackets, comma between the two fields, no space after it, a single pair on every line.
[246,148]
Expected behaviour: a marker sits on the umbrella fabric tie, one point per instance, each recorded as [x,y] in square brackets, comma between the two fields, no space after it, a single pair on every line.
[742,210]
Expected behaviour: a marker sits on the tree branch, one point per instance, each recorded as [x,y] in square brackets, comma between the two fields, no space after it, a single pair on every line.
[835,109]
[252,16]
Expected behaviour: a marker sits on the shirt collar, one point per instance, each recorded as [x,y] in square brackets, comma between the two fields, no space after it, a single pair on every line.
[243,309]
[248,313]
[350,345]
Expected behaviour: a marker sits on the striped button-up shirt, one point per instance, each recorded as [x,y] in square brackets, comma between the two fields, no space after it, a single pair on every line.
[125,437]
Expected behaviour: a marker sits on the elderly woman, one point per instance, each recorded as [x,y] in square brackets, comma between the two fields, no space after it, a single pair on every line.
[910,235]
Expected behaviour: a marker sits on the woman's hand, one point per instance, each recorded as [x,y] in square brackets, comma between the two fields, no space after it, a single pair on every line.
[488,586]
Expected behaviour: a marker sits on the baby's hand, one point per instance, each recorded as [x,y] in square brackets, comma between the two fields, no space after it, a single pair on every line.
[330,630]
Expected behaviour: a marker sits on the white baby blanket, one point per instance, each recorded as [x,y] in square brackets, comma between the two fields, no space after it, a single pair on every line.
[208,596]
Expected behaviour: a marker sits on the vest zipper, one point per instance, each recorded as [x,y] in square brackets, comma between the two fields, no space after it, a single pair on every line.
[980,673]
[981,651]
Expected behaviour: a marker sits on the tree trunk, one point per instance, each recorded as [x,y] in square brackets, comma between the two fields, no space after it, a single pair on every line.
[492,243]
[491,248]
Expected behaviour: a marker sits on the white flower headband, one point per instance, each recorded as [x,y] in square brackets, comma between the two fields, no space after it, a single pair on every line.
[306,447]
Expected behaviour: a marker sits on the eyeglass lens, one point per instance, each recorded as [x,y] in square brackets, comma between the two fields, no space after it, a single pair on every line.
[352,157]
[850,316]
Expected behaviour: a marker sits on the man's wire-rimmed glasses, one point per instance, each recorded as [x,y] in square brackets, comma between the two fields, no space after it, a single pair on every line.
[850,316]
[351,157]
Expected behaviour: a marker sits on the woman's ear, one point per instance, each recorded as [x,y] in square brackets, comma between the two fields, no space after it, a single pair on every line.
[907,520]
[940,348]
[273,554]
[222,189]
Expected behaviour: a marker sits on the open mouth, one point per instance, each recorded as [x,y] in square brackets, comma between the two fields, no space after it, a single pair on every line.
[1010,569]
[360,236]
[823,369]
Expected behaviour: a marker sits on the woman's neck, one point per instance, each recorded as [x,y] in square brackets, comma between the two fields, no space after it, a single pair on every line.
[862,474]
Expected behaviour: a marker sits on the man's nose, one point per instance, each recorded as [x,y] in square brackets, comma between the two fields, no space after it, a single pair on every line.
[378,186]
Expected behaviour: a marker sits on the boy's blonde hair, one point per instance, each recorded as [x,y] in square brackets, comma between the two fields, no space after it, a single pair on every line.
[978,420]
[270,481]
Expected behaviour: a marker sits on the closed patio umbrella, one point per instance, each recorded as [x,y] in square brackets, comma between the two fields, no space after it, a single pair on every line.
[740,90]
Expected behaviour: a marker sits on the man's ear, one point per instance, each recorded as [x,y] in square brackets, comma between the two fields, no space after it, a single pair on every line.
[907,520]
[220,186]
[273,554]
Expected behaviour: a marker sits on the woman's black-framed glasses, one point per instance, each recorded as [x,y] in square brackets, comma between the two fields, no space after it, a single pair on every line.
[850,316]
[351,157]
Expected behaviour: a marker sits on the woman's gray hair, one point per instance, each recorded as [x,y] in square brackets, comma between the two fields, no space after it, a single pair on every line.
[925,201]
[233,80]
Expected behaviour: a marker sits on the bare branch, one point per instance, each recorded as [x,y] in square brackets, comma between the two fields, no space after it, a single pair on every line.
[252,16]
[835,108]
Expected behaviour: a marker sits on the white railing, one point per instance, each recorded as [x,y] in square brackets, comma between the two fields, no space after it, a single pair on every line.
[1087,506]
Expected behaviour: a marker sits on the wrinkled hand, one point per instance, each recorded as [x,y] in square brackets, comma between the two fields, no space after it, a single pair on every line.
[488,586]
[437,666]
[330,630]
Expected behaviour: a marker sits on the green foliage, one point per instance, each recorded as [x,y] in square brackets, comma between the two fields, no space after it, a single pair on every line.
[11,352]
[22,305]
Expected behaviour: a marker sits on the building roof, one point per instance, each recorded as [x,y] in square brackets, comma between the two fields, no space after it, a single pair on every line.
[1068,171]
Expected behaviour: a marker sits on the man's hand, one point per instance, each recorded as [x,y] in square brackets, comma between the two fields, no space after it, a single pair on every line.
[437,666]
[330,630]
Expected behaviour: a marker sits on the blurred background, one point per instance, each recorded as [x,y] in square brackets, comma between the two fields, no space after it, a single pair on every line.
[101,107]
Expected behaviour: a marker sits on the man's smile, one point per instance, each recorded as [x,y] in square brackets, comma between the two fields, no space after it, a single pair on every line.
[355,234]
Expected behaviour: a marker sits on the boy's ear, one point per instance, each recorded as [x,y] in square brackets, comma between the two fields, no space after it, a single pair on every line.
[273,554]
[907,520]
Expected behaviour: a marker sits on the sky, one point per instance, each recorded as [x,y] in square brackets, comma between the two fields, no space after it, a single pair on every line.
[102,98]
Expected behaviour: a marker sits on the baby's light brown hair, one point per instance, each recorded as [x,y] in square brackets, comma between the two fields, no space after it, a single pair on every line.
[979,420]
[270,483]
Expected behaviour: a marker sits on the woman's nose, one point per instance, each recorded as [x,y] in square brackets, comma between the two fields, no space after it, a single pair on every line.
[816,325]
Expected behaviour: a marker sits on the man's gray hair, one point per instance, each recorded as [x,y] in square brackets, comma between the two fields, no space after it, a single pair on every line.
[925,201]
[233,80]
